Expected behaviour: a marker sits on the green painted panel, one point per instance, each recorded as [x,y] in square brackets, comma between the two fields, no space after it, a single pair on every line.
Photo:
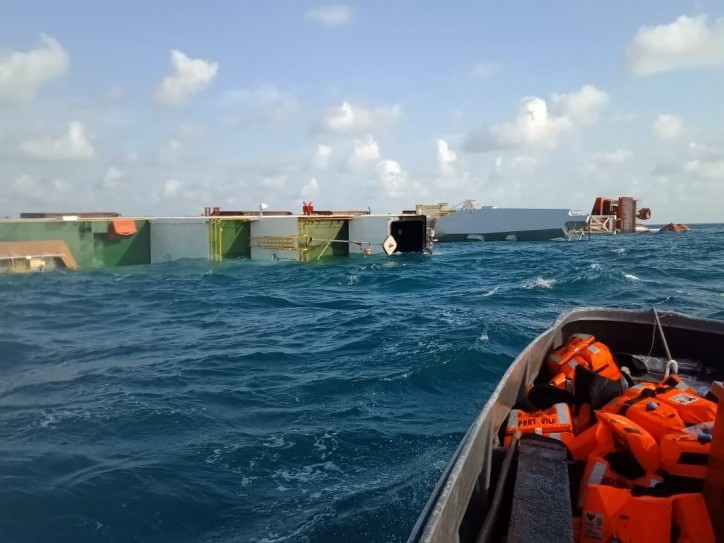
[99,227]
[320,232]
[235,239]
[76,235]
[130,251]
[90,249]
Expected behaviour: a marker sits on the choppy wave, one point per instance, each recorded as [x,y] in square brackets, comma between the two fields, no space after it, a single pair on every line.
[243,401]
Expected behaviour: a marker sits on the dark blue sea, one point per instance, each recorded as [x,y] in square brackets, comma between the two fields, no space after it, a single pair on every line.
[272,402]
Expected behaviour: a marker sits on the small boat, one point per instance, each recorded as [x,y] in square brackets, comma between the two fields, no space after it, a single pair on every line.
[675,227]
[474,501]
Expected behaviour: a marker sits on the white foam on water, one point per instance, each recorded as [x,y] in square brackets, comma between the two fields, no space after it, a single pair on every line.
[539,282]
[277,442]
[307,474]
[631,277]
[491,292]
[326,444]
[352,280]
[398,377]
[619,250]
[48,420]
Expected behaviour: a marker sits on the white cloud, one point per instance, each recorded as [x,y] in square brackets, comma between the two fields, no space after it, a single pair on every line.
[580,107]
[27,186]
[705,161]
[22,74]
[619,156]
[667,127]
[332,15]
[190,76]
[171,188]
[506,167]
[348,118]
[263,104]
[321,156]
[688,42]
[711,167]
[170,152]
[701,161]
[36,189]
[602,163]
[484,70]
[112,178]
[132,157]
[60,185]
[72,146]
[310,189]
[392,177]
[276,183]
[446,159]
[537,127]
[366,151]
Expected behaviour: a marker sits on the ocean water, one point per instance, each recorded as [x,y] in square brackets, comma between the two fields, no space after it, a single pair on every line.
[250,401]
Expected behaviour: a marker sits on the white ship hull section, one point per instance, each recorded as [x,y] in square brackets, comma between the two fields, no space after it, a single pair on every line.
[500,224]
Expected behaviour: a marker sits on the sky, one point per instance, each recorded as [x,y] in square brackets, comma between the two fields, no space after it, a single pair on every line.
[164,108]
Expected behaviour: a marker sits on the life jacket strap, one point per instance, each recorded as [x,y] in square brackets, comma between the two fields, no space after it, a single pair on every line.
[646,394]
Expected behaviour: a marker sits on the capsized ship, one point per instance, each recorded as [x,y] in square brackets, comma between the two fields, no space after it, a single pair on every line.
[86,240]
[488,223]
[620,215]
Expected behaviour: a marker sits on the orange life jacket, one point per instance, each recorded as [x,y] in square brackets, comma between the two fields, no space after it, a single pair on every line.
[600,360]
[596,440]
[634,438]
[558,358]
[692,519]
[560,389]
[685,455]
[555,420]
[640,404]
[614,514]
[598,472]
[582,418]
[692,408]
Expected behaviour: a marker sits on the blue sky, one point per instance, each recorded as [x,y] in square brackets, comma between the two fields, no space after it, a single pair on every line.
[163,108]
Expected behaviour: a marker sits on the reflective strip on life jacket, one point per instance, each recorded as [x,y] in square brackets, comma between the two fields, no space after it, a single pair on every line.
[595,473]
[601,361]
[634,438]
[554,420]
[650,480]
[560,356]
[685,455]
[598,472]
[611,513]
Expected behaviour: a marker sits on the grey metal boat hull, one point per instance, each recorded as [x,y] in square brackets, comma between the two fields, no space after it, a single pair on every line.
[516,235]
[457,507]
[512,224]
